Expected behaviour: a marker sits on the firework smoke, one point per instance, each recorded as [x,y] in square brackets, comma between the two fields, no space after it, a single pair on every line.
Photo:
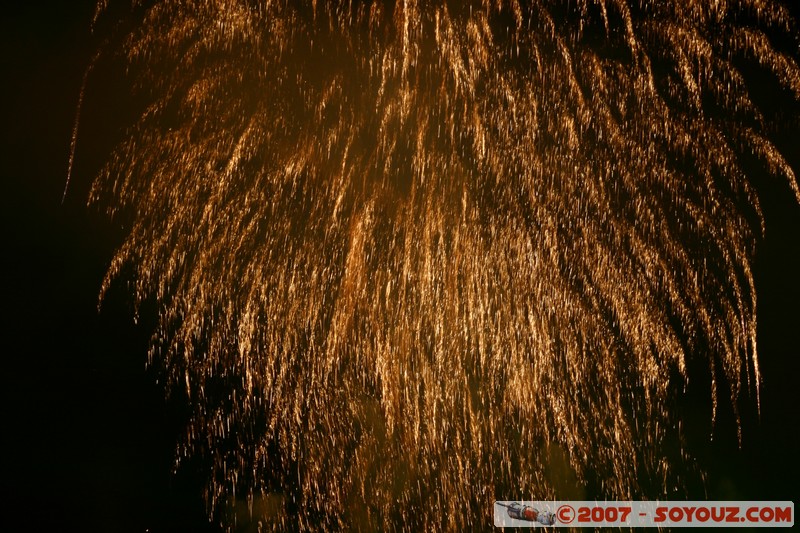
[412,258]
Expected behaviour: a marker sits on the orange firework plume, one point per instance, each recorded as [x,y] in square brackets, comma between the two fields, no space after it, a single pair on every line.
[409,258]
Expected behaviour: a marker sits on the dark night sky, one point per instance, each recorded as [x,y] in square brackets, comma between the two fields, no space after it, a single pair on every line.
[88,435]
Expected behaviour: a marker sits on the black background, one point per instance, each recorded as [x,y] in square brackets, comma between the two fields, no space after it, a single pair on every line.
[88,437]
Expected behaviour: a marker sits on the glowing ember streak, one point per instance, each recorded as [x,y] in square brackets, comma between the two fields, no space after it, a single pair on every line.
[410,259]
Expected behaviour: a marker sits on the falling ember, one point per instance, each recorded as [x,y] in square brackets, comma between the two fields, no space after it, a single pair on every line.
[410,259]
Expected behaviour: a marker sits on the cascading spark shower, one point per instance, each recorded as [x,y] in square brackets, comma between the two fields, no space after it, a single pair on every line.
[413,257]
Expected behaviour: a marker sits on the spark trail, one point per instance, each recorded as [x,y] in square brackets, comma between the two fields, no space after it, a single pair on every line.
[408,254]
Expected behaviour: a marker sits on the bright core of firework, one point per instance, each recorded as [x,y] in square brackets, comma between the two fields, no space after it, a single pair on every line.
[412,258]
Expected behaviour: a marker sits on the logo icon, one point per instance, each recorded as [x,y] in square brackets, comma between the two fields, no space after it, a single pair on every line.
[527,513]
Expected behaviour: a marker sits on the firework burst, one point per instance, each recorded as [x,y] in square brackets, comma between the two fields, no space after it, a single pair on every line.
[411,258]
